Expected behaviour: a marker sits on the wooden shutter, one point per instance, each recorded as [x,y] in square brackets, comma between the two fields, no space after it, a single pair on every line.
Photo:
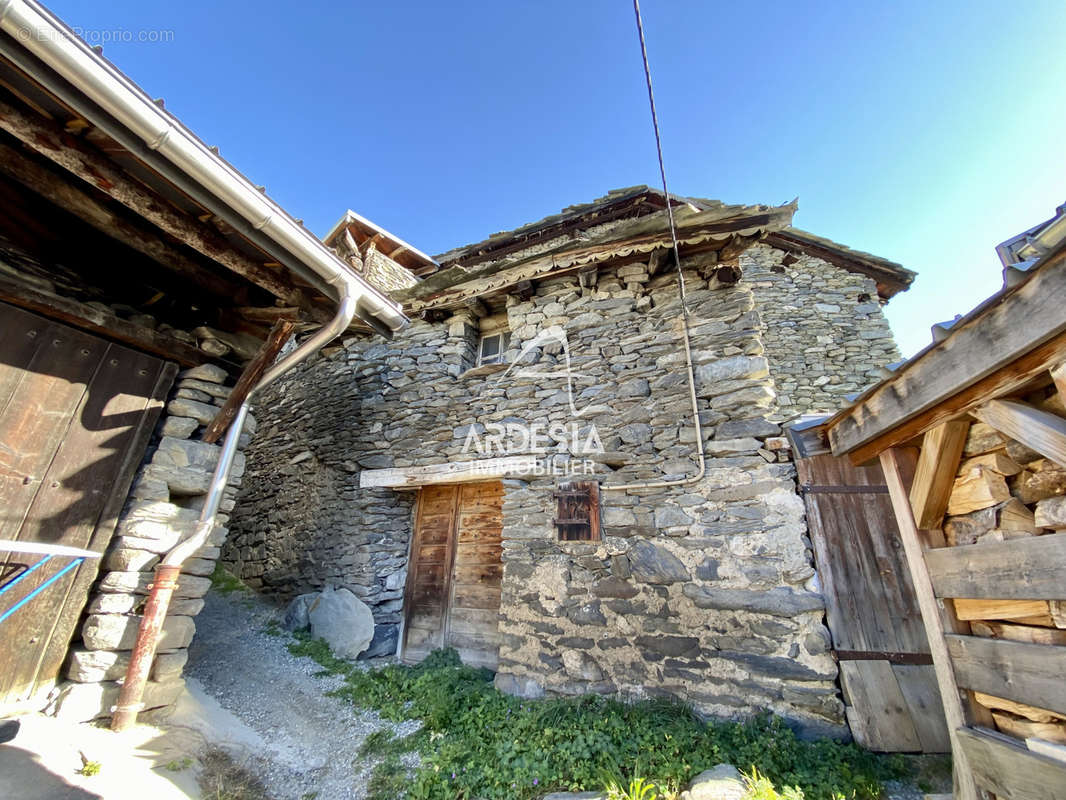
[578,511]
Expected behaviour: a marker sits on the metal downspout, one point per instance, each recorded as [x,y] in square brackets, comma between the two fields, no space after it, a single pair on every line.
[166,573]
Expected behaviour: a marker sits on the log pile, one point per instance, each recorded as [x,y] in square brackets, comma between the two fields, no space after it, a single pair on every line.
[1004,490]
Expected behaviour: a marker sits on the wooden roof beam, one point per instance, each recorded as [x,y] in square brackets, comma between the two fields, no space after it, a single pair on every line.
[84,162]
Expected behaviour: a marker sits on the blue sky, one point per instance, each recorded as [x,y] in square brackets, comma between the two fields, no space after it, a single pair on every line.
[922,132]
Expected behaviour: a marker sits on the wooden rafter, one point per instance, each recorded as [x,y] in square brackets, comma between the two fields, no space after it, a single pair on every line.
[1039,430]
[87,164]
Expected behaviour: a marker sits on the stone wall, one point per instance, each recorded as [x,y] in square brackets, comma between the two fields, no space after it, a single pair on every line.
[163,506]
[825,333]
[702,590]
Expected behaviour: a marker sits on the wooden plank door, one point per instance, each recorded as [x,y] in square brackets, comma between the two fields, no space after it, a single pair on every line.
[890,690]
[428,571]
[477,573]
[455,573]
[76,414]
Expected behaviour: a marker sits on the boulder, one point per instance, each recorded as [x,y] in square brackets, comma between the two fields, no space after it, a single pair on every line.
[297,614]
[343,621]
[386,637]
[723,782]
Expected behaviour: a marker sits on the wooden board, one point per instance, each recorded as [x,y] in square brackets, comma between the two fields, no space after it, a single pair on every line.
[1029,568]
[871,607]
[75,417]
[477,575]
[1034,674]
[1009,770]
[456,572]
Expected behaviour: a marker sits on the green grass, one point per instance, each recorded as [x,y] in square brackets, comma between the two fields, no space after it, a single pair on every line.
[476,742]
[225,582]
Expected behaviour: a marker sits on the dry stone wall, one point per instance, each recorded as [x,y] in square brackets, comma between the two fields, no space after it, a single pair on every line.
[163,506]
[702,591]
[825,333]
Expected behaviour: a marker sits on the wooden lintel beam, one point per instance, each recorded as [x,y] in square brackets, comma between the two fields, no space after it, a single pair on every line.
[279,334]
[88,165]
[1039,430]
[87,318]
[935,474]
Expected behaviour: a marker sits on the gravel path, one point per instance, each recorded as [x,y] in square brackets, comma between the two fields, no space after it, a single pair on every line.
[311,740]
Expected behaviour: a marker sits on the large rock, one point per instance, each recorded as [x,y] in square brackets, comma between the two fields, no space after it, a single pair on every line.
[723,782]
[343,620]
[653,564]
[386,637]
[297,615]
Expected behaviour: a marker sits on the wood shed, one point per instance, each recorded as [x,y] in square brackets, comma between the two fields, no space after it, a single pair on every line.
[971,437]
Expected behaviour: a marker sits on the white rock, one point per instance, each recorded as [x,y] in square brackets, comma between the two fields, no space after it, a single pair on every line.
[723,782]
[343,620]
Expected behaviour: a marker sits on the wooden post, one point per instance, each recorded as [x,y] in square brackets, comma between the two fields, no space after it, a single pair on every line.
[914,546]
[279,334]
[941,450]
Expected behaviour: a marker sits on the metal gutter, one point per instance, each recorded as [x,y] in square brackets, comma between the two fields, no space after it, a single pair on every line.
[40,33]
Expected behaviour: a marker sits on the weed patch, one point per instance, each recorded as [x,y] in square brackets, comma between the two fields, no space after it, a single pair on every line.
[476,742]
[225,582]
[222,778]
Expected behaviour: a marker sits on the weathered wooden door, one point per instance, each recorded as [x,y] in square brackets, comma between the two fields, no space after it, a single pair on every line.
[76,413]
[886,672]
[455,573]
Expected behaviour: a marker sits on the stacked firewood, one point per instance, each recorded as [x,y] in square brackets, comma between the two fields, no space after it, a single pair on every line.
[1003,491]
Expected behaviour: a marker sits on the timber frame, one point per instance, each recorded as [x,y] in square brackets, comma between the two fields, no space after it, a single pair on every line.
[993,609]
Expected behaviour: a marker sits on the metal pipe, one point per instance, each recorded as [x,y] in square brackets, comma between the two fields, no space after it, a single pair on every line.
[155,611]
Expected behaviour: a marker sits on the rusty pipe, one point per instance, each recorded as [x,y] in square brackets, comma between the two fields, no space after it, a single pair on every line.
[155,610]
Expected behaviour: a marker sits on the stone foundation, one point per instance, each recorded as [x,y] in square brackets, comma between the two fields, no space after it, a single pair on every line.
[162,509]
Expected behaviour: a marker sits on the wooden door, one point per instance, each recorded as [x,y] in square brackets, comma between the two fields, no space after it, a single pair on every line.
[455,573]
[890,690]
[76,413]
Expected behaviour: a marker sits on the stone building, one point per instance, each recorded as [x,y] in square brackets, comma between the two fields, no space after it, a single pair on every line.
[518,473]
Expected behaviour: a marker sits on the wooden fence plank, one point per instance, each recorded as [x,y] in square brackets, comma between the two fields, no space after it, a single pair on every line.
[1031,568]
[1028,673]
[1008,769]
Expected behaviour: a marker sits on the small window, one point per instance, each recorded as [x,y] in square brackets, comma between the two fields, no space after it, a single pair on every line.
[491,348]
[578,511]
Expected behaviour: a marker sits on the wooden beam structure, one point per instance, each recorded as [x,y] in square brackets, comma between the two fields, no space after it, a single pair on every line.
[456,472]
[935,473]
[280,333]
[136,235]
[88,318]
[914,544]
[1039,430]
[89,165]
[992,352]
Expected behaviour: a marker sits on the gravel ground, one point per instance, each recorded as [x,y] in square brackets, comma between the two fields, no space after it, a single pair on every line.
[311,739]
